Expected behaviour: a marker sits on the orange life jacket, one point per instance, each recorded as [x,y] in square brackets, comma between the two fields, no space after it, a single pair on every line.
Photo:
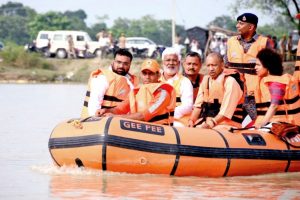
[297,64]
[244,62]
[176,85]
[133,79]
[212,99]
[117,91]
[196,86]
[140,98]
[289,108]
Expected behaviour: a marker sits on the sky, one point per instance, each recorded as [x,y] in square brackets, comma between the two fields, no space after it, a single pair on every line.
[188,13]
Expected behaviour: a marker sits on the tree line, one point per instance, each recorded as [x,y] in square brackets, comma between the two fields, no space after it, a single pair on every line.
[20,24]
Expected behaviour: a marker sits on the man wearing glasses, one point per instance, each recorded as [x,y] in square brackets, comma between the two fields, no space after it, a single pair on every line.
[108,87]
[152,102]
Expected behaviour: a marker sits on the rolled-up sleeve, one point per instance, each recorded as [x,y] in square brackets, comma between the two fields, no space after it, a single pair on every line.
[99,85]
[186,107]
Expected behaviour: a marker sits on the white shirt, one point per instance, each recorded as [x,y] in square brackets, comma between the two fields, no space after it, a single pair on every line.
[98,86]
[103,41]
[186,96]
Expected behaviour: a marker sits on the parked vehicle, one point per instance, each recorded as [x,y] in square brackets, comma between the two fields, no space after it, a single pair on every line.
[84,46]
[41,44]
[43,38]
[142,47]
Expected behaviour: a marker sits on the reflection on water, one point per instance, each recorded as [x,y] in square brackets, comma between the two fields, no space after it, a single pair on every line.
[28,115]
[67,183]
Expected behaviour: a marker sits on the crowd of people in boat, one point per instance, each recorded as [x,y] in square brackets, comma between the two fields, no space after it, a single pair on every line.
[245,87]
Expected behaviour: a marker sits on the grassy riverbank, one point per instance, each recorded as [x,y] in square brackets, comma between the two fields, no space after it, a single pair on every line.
[59,70]
[18,66]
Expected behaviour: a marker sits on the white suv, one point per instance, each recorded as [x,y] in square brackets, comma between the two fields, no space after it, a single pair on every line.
[82,43]
[42,39]
[141,43]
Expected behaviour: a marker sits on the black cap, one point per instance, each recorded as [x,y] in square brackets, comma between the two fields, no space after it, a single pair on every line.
[248,17]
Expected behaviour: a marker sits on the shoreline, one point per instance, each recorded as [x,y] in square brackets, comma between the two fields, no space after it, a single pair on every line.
[64,71]
[74,72]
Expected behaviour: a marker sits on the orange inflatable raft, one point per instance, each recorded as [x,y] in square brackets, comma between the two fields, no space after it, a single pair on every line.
[123,145]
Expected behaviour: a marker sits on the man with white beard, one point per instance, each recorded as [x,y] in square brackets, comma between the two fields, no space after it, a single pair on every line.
[182,85]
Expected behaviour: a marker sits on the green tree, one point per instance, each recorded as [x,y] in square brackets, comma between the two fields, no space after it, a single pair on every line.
[98,26]
[79,14]
[49,21]
[225,22]
[278,28]
[165,33]
[120,25]
[16,9]
[14,18]
[77,19]
[13,28]
[285,8]
[157,30]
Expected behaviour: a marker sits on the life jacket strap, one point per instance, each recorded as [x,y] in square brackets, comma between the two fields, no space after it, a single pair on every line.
[247,68]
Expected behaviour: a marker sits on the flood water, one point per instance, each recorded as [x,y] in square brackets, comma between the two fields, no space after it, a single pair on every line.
[29,112]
